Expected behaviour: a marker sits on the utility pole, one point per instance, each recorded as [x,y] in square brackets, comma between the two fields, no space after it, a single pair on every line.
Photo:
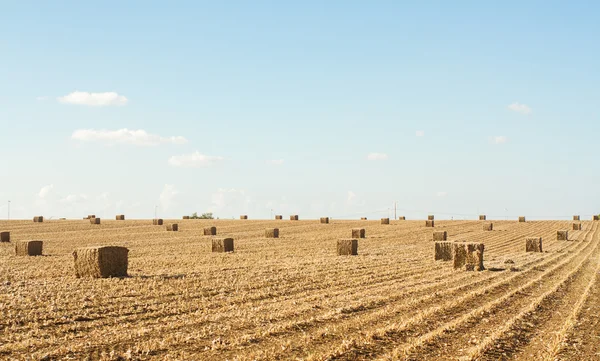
[395,218]
[9,210]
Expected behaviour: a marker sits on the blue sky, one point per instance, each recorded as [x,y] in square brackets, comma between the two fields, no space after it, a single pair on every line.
[314,108]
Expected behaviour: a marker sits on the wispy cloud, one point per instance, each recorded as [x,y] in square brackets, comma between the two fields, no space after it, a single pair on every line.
[351,196]
[45,191]
[420,133]
[137,137]
[167,196]
[499,139]
[93,99]
[520,108]
[377,156]
[74,198]
[194,160]
[275,162]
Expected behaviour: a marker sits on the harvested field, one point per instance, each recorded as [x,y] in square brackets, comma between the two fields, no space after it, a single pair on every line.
[295,298]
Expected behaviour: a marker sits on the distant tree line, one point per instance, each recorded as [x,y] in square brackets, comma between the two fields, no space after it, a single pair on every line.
[208,215]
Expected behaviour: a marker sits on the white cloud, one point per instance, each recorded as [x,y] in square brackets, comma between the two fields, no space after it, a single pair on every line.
[124,136]
[420,133]
[93,99]
[499,139]
[167,196]
[377,156]
[520,108]
[45,191]
[351,196]
[442,194]
[275,162]
[194,160]
[229,202]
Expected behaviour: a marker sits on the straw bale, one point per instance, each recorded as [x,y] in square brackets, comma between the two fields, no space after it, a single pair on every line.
[347,247]
[222,244]
[101,261]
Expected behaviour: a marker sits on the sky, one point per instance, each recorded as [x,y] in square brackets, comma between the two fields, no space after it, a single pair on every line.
[336,108]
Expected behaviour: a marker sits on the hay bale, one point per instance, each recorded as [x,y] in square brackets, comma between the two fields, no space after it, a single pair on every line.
[402,218]
[38,219]
[521,219]
[172,227]
[186,217]
[562,235]
[28,248]
[4,236]
[443,251]
[157,222]
[95,220]
[595,218]
[482,217]
[488,227]
[429,223]
[363,218]
[243,216]
[278,217]
[430,217]
[577,226]
[210,231]
[294,217]
[576,218]
[222,245]
[358,233]
[101,261]
[120,217]
[272,233]
[385,221]
[533,244]
[347,247]
[90,216]
[468,255]
[440,236]
[324,220]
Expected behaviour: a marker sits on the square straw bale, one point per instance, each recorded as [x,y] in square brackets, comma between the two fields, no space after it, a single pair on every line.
[222,245]
[210,231]
[443,251]
[272,233]
[4,236]
[358,233]
[577,226]
[533,244]
[562,235]
[347,247]
[488,227]
[324,220]
[173,227]
[101,261]
[385,221]
[28,248]
[440,236]
[430,223]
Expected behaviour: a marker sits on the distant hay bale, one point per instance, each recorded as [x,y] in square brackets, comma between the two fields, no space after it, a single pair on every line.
[157,222]
[38,219]
[272,233]
[576,218]
[562,235]
[325,220]
[173,227]
[440,236]
[210,231]
[468,255]
[521,219]
[278,217]
[403,218]
[186,217]
[101,261]
[443,251]
[385,221]
[363,218]
[243,216]
[294,217]
[577,226]
[430,217]
[358,233]
[430,223]
[533,244]
[488,227]
[62,219]
[4,236]
[120,217]
[595,218]
[482,217]
[222,245]
[347,247]
[95,220]
[28,248]
[90,216]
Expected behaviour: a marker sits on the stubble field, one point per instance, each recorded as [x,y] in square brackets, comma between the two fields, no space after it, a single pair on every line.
[293,298]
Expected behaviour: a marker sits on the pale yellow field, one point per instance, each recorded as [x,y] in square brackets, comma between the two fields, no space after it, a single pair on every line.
[293,298]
